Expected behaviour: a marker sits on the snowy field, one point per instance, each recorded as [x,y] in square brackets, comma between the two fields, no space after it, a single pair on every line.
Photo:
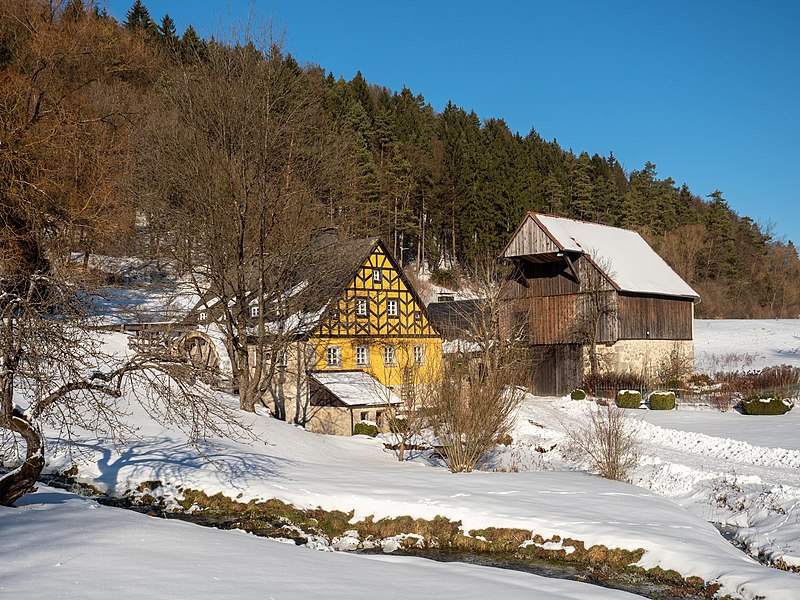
[738,344]
[698,467]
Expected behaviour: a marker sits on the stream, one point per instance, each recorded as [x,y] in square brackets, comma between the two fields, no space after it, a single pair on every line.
[502,560]
[629,582]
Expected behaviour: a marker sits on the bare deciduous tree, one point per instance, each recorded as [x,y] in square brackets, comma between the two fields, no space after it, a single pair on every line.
[232,174]
[60,124]
[473,406]
[409,418]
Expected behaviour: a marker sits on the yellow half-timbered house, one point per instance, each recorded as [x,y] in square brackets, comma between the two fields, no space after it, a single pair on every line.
[371,342]
[379,325]
[350,338]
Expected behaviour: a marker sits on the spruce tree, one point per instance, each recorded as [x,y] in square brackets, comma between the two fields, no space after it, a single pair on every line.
[138,18]
[168,34]
[192,48]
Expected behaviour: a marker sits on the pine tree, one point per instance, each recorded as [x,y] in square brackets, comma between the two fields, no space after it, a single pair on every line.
[554,195]
[138,18]
[582,202]
[192,48]
[168,34]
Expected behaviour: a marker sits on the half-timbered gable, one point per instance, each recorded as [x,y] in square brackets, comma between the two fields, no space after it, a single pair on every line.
[583,290]
[377,302]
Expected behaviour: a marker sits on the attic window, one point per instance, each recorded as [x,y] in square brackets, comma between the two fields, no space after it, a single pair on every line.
[392,307]
[334,314]
[377,277]
[417,316]
[362,307]
[254,311]
[203,317]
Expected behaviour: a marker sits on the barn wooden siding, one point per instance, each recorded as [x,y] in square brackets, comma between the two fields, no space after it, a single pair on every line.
[546,300]
[648,317]
[557,369]
[530,239]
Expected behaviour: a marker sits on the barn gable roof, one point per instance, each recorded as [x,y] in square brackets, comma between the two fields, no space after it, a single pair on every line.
[623,256]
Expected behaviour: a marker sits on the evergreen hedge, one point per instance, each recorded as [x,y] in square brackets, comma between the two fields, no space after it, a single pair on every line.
[578,394]
[662,401]
[363,428]
[629,399]
[765,404]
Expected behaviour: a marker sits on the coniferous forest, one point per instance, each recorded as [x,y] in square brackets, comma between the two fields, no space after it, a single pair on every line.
[117,135]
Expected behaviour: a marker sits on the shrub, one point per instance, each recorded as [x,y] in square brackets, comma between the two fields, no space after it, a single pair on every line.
[365,428]
[578,394]
[629,399]
[662,401]
[765,404]
[700,380]
[609,440]
[747,382]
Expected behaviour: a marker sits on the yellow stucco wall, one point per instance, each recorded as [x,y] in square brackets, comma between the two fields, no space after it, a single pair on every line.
[388,374]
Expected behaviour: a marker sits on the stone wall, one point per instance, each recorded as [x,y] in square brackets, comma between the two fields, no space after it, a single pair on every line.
[648,358]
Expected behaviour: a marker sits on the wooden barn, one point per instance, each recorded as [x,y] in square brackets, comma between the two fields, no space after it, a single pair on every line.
[594,298]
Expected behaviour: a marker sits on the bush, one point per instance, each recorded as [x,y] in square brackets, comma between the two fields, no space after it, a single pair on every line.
[609,440]
[747,382]
[662,401]
[365,428]
[578,394]
[765,404]
[629,399]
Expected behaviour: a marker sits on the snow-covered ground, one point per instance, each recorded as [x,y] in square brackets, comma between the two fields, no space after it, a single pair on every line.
[727,468]
[739,344]
[698,466]
[56,545]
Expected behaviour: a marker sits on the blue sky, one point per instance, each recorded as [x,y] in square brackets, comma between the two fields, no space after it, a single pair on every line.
[708,91]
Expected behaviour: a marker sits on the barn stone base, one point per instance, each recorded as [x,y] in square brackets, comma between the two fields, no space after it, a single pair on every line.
[651,359]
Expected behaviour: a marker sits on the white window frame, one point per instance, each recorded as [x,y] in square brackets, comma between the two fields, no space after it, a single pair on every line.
[254,311]
[392,307]
[419,355]
[362,307]
[283,359]
[362,356]
[389,356]
[377,277]
[333,356]
[203,317]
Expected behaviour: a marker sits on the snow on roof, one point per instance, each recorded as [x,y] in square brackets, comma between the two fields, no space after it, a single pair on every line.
[356,388]
[621,254]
